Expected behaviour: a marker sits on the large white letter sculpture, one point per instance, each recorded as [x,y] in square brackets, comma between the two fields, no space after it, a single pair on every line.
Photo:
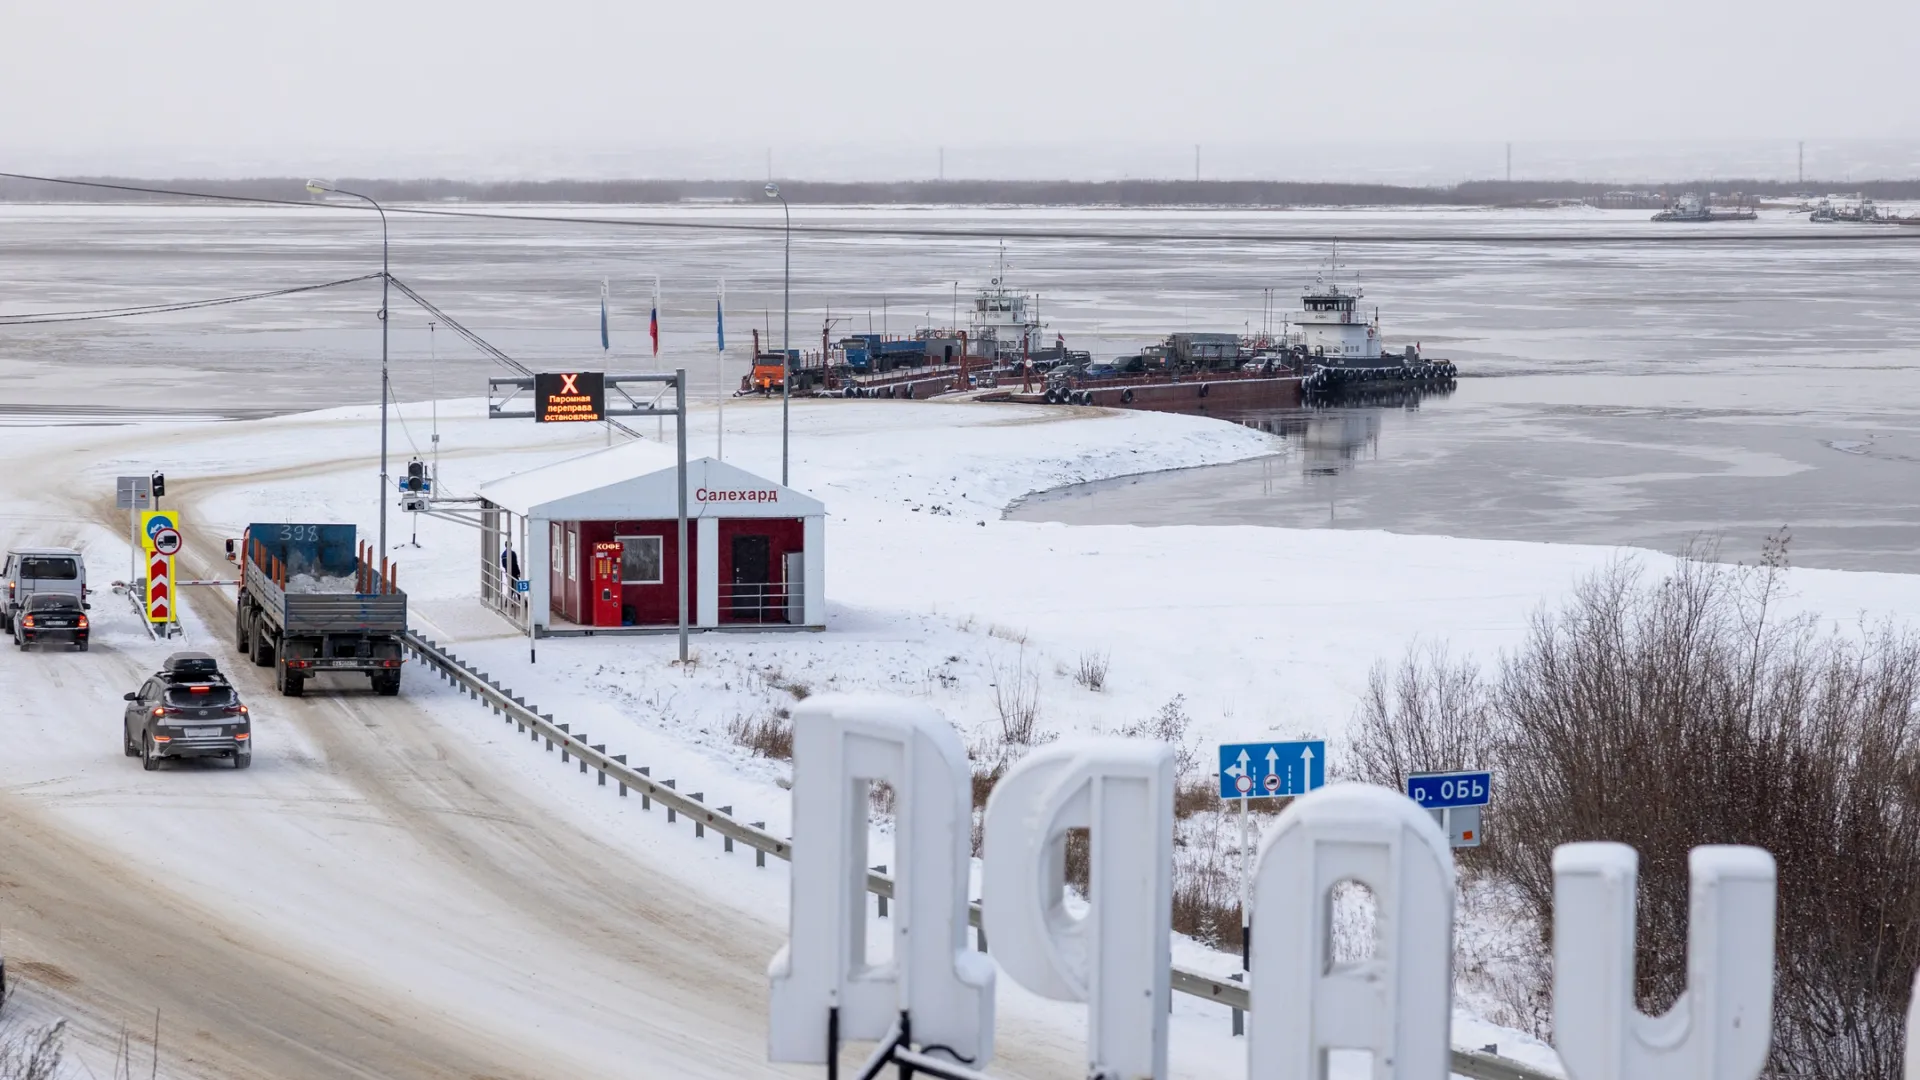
[1117,955]
[1721,1026]
[1397,1003]
[841,746]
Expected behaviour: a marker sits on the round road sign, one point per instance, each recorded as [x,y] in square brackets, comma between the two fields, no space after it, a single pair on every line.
[1273,783]
[1243,784]
[166,541]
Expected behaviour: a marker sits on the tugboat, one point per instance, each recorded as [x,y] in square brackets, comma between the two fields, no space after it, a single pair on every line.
[1004,326]
[1339,348]
[1691,207]
[1862,211]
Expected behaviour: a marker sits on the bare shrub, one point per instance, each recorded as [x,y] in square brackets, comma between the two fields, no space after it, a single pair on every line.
[777,679]
[1682,711]
[1016,700]
[1091,671]
[1196,797]
[1428,714]
[1007,633]
[1206,903]
[1206,883]
[882,799]
[30,1053]
[1080,861]
[768,735]
[1170,725]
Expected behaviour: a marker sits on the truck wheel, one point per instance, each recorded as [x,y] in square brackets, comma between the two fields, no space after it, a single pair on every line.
[386,685]
[148,760]
[261,655]
[241,639]
[291,685]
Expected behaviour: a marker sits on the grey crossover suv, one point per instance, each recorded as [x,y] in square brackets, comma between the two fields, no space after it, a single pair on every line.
[187,709]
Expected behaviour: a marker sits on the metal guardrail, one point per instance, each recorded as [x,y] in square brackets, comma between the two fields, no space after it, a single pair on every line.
[1474,1065]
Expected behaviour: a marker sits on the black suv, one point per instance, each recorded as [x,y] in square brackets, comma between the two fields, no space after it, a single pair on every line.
[187,709]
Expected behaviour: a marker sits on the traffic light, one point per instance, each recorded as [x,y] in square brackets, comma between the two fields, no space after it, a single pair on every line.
[159,485]
[416,475]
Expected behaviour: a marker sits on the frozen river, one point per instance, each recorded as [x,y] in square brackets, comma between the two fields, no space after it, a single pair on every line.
[1638,392]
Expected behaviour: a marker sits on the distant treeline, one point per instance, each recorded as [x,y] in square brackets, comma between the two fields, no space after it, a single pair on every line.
[966,192]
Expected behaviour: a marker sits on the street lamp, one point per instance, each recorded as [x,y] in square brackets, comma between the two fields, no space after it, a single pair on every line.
[319,187]
[786,316]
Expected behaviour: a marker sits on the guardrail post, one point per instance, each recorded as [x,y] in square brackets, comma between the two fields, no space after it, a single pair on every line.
[759,856]
[882,897]
[1239,1016]
[601,749]
[980,936]
[699,827]
[622,759]
[646,803]
[727,841]
[671,816]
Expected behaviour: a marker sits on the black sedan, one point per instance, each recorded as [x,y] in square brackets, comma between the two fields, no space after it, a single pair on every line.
[50,618]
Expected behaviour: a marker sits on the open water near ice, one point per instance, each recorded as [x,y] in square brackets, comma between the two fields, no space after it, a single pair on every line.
[1637,393]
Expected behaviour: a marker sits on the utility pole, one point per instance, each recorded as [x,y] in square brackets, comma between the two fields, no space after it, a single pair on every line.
[943,163]
[1509,163]
[1800,173]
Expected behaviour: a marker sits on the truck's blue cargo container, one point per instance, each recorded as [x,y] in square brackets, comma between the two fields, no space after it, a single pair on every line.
[316,550]
[307,607]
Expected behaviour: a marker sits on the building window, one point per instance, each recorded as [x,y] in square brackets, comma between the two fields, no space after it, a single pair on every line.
[573,555]
[641,561]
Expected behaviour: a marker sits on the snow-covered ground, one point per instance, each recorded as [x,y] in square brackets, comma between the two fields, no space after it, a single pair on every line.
[1252,631]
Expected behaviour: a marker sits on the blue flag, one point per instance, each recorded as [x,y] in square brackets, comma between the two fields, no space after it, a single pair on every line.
[603,314]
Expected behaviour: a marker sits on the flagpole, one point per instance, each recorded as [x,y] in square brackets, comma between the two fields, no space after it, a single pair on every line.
[659,422]
[720,374]
[605,344]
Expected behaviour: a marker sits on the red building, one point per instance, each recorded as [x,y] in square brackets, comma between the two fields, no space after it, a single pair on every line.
[598,553]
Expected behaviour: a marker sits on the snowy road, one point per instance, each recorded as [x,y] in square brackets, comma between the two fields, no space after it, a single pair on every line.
[364,902]
[370,900]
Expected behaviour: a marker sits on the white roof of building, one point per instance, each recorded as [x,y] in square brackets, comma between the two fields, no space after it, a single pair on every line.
[610,485]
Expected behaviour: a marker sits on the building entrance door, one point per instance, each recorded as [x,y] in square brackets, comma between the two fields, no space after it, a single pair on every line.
[752,571]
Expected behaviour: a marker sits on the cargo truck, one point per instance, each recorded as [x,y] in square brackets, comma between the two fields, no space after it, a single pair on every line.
[312,602]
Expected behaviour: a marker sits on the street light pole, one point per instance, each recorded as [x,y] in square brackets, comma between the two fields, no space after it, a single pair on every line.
[786,319]
[317,187]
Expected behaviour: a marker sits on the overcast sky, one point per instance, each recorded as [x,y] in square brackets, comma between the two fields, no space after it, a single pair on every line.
[516,86]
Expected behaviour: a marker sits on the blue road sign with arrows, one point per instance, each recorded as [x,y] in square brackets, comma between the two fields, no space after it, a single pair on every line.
[1270,770]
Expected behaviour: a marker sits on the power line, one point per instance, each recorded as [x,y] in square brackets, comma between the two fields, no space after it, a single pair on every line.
[92,314]
[489,348]
[478,342]
[1677,236]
